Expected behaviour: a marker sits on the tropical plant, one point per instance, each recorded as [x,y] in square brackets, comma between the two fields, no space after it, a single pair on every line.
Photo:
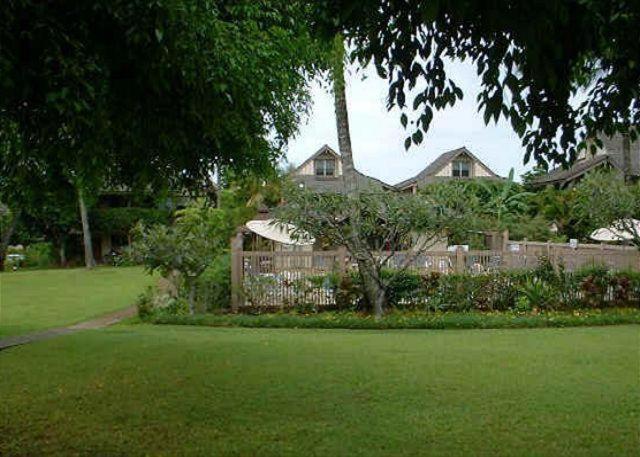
[605,199]
[387,222]
[505,200]
[199,235]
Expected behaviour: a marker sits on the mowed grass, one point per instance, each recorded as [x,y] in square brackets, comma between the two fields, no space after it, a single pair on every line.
[176,390]
[39,299]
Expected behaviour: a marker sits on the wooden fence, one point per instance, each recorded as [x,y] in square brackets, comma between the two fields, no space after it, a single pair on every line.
[269,279]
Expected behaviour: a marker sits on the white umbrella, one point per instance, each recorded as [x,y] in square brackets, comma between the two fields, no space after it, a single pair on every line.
[622,230]
[280,232]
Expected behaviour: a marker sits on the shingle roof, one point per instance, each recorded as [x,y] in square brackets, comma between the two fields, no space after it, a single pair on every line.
[441,161]
[613,156]
[563,175]
[334,184]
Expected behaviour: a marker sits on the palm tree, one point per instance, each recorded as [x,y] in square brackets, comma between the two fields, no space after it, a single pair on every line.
[342,119]
[368,270]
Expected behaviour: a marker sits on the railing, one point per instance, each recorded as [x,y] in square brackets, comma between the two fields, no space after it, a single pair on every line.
[286,279]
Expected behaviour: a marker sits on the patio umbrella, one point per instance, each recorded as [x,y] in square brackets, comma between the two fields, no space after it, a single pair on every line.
[280,232]
[617,232]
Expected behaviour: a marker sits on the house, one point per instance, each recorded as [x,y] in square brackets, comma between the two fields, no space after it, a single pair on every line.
[611,155]
[455,164]
[322,172]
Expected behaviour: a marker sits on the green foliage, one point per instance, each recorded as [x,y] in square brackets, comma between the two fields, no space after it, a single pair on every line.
[410,319]
[493,205]
[122,220]
[214,285]
[199,236]
[530,69]
[544,288]
[38,255]
[604,199]
[370,222]
[150,92]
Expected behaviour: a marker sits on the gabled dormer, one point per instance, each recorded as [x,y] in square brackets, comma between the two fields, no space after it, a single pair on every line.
[325,163]
[322,172]
[455,164]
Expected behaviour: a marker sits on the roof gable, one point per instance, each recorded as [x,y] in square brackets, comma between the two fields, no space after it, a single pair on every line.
[442,161]
[326,149]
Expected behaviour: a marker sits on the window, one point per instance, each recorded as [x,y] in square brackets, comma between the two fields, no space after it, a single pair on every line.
[461,169]
[325,167]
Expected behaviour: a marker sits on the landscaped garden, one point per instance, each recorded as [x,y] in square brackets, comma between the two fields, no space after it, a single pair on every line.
[41,299]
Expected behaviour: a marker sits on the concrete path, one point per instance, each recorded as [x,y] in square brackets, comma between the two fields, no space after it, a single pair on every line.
[99,322]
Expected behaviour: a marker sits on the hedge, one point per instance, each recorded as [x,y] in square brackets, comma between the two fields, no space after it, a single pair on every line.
[408,319]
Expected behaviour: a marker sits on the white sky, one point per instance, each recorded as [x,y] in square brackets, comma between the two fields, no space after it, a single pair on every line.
[378,137]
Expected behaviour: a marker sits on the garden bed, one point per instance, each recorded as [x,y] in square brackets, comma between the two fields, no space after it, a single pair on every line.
[410,320]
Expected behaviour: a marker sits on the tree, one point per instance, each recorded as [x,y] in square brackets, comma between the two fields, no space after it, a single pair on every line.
[560,207]
[604,199]
[388,222]
[199,235]
[534,58]
[117,92]
[506,200]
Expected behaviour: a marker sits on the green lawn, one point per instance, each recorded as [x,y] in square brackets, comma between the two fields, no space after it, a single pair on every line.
[177,390]
[39,299]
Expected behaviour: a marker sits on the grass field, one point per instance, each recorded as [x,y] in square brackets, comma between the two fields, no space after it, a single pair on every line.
[177,390]
[39,299]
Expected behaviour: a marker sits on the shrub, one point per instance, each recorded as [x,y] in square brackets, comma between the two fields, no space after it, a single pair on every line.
[214,285]
[544,288]
[153,302]
[39,255]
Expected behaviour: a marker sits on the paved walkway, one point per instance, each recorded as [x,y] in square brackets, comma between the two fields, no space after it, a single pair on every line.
[99,322]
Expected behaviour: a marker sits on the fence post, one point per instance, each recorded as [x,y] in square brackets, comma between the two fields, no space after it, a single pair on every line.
[459,260]
[236,272]
[504,254]
[342,259]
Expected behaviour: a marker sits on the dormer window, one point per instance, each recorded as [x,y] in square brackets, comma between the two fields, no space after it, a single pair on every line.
[325,167]
[460,169]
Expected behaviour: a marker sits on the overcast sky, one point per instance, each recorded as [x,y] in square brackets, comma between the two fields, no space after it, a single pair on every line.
[378,137]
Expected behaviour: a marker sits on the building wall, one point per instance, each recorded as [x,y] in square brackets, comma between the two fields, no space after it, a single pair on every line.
[480,172]
[446,171]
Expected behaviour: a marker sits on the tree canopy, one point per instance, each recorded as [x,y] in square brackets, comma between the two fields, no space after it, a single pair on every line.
[153,90]
[558,70]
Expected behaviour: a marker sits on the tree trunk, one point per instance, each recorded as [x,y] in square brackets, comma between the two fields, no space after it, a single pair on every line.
[89,261]
[62,251]
[6,238]
[626,156]
[342,120]
[192,296]
[374,292]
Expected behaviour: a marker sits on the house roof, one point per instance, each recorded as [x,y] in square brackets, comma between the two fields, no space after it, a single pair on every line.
[334,184]
[612,155]
[564,175]
[324,149]
[439,163]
